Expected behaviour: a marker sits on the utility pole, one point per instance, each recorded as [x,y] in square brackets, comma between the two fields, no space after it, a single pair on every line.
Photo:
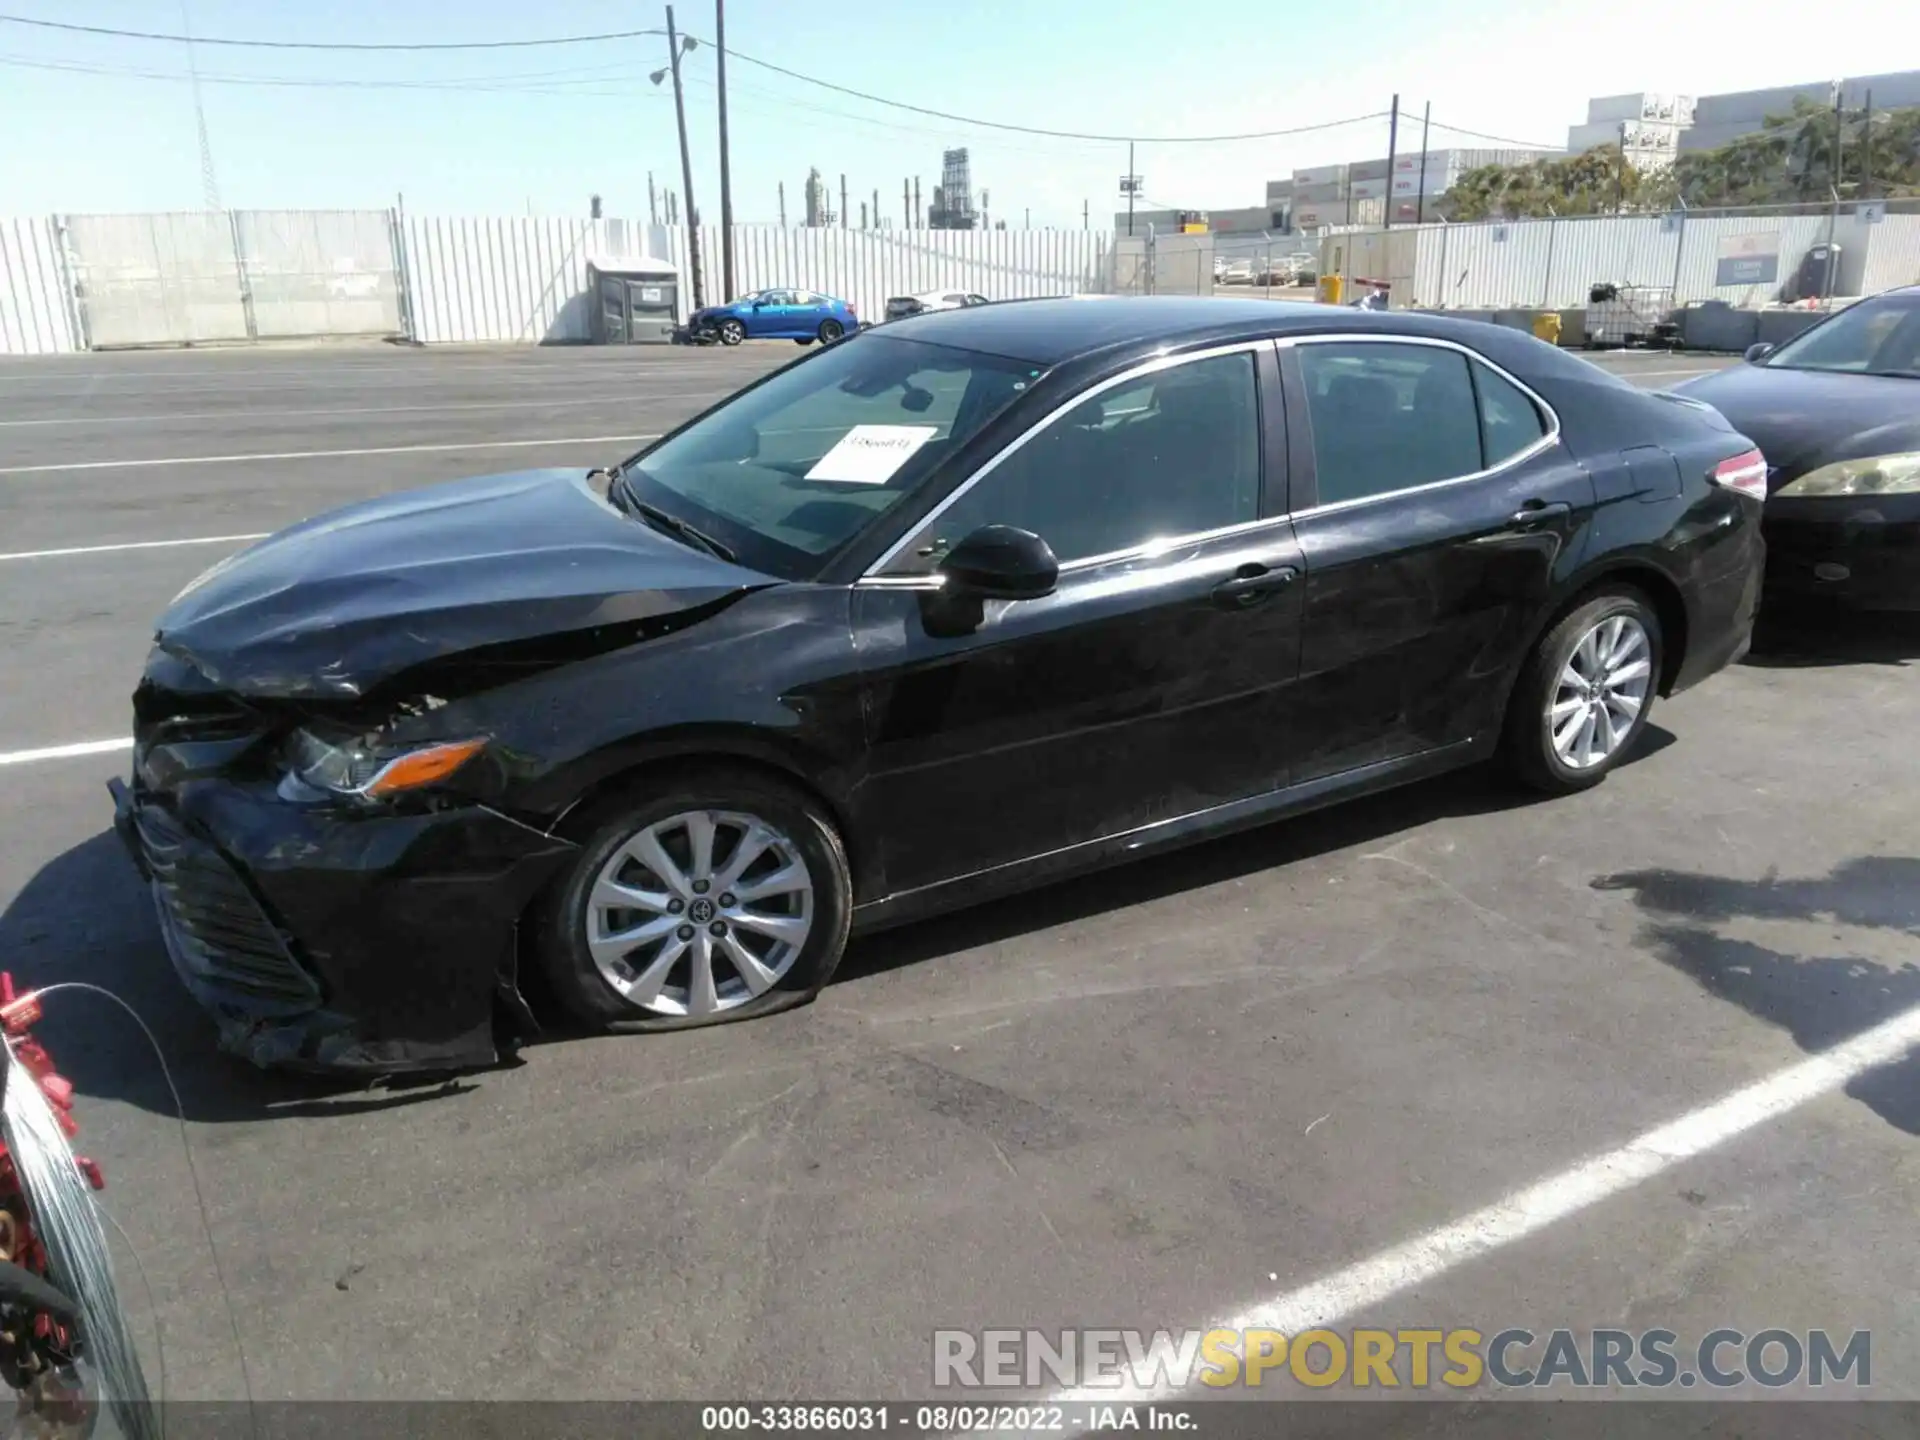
[843,199]
[1620,174]
[876,207]
[985,223]
[1393,146]
[906,203]
[1865,192]
[918,214]
[726,175]
[1026,221]
[1130,189]
[686,162]
[863,214]
[653,208]
[1420,195]
[1839,135]
[1085,216]
[783,204]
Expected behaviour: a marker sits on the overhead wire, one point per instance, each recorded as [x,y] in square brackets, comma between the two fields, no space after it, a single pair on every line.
[355,45]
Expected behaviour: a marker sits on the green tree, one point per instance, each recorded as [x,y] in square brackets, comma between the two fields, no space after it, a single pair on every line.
[1791,159]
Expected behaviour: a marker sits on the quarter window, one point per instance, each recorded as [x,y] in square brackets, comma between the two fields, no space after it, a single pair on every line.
[1389,417]
[1173,453]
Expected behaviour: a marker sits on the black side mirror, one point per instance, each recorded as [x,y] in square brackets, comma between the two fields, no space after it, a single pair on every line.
[1001,562]
[1756,353]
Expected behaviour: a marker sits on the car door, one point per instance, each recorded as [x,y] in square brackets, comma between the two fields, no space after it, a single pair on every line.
[1434,505]
[1150,685]
[767,318]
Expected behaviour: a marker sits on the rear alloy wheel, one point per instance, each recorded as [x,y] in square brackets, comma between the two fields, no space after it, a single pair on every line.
[732,332]
[718,900]
[1584,697]
[830,331]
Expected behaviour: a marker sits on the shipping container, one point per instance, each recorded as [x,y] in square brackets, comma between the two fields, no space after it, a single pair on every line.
[1279,192]
[1367,170]
[1312,217]
[1322,194]
[1641,135]
[1367,189]
[1319,175]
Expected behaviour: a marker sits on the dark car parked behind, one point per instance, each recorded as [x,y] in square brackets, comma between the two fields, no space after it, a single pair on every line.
[957,606]
[1837,411]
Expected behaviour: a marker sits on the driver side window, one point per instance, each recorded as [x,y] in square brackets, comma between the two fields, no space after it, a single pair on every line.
[1170,453]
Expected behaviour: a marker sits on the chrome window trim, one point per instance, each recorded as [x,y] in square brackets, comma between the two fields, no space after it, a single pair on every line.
[1520,457]
[1149,367]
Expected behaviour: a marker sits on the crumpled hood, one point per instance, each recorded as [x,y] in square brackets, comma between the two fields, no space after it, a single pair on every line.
[1803,419]
[337,604]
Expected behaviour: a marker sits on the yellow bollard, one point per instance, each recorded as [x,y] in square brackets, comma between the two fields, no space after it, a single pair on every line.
[1330,289]
[1546,326]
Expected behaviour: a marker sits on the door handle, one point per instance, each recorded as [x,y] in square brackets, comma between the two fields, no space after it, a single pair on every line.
[1538,512]
[1246,590]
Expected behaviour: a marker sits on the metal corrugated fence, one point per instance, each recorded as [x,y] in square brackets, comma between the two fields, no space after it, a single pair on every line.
[36,313]
[1552,264]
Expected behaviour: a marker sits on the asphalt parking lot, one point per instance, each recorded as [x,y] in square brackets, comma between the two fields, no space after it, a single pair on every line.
[1171,1095]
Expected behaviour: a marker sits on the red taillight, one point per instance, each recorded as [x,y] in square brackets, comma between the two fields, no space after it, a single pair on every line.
[1745,472]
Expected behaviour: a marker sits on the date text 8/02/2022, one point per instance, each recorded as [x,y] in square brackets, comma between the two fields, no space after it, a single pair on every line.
[1166,1362]
[941,1419]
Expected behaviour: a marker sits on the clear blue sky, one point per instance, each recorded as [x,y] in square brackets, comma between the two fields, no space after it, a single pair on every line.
[491,132]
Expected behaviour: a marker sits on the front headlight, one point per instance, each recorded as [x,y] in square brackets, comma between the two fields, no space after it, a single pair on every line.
[358,769]
[1876,475]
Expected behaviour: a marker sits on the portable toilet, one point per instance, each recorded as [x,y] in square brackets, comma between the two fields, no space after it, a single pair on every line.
[635,302]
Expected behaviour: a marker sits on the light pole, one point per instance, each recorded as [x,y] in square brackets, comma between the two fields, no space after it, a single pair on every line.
[678,45]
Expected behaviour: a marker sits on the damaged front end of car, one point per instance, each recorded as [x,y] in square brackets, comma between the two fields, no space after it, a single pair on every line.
[325,796]
[339,894]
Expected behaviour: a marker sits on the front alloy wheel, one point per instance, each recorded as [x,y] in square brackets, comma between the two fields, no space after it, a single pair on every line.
[732,332]
[721,895]
[699,913]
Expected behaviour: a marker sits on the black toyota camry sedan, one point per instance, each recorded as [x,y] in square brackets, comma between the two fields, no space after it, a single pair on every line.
[957,606]
[1837,411]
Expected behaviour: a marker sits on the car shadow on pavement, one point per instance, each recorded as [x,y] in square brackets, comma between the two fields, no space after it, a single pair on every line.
[1479,790]
[1715,930]
[1822,638]
[85,917]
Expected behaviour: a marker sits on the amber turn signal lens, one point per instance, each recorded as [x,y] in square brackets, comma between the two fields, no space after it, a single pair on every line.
[423,767]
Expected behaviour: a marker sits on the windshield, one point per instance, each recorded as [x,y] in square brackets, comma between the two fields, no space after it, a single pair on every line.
[1875,337]
[788,472]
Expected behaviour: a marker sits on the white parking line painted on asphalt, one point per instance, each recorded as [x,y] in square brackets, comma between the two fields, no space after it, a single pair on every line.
[64,752]
[319,454]
[1526,1212]
[620,397]
[132,545]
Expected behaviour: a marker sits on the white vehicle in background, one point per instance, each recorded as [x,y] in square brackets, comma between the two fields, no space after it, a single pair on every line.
[1237,272]
[901,306]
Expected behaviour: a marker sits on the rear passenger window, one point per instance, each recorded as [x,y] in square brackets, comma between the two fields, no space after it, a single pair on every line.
[1509,421]
[1387,417]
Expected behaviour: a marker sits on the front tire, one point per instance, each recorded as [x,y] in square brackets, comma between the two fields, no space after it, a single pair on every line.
[830,331]
[722,896]
[1584,695]
[732,332]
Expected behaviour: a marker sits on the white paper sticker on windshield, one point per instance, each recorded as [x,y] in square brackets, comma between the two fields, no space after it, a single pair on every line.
[870,454]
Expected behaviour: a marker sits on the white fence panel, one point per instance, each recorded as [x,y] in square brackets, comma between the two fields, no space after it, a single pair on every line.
[319,272]
[36,317]
[161,279]
[1893,254]
[480,279]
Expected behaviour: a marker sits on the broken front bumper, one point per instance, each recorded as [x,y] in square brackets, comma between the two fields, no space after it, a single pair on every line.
[326,941]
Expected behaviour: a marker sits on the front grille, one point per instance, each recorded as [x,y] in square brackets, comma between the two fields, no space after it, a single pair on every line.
[214,925]
[166,717]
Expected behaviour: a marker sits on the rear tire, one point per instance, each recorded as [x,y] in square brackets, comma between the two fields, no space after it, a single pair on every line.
[653,896]
[1582,700]
[732,332]
[830,331]
[803,341]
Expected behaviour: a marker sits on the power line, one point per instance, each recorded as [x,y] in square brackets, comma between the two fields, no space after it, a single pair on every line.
[328,44]
[1038,130]
[482,83]
[1496,139]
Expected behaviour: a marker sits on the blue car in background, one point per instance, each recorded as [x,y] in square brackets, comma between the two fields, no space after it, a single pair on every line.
[779,314]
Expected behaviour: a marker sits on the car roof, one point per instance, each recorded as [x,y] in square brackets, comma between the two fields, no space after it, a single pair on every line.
[1053,331]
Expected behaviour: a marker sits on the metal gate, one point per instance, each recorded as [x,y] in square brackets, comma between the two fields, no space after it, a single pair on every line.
[199,276]
[157,279]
